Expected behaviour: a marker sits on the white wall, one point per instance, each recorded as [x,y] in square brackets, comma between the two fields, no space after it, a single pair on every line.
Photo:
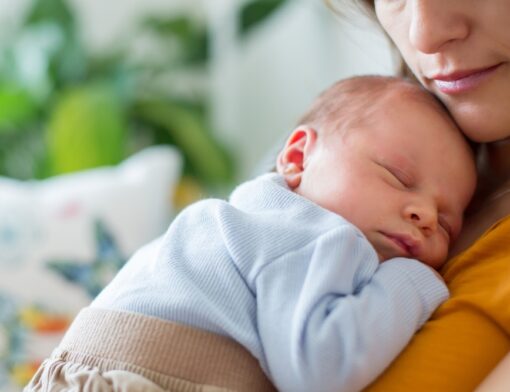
[11,12]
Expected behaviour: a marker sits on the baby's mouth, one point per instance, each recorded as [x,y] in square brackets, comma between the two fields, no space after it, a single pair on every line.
[403,243]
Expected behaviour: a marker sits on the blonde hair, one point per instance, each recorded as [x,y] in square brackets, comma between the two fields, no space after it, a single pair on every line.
[367,7]
[338,6]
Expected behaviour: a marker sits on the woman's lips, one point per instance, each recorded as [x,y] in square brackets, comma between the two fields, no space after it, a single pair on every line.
[460,82]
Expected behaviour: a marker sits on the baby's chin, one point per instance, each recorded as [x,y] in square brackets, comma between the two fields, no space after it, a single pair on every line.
[436,264]
[384,254]
[382,258]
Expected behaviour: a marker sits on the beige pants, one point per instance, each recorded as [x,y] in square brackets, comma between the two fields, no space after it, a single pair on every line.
[119,351]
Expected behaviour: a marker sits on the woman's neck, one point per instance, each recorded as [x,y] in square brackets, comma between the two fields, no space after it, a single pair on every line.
[492,199]
[495,160]
[494,167]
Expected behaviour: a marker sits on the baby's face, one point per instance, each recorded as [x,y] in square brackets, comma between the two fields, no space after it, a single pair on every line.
[404,179]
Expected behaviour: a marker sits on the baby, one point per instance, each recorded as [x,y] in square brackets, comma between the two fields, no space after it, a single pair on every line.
[320,272]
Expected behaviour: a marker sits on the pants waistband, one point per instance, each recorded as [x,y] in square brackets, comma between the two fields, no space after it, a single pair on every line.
[162,347]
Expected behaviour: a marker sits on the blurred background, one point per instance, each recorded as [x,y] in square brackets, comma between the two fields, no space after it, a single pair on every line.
[86,83]
[116,114]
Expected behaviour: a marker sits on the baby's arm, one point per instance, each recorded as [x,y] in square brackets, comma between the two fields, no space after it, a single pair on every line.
[331,318]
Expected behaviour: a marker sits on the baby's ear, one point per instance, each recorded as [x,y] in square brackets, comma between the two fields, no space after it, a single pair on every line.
[291,160]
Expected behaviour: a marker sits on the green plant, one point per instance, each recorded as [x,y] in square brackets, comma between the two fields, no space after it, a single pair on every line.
[64,109]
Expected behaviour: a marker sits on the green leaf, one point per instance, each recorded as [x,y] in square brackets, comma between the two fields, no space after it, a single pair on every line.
[189,132]
[191,37]
[255,12]
[55,11]
[16,108]
[67,62]
[25,61]
[87,129]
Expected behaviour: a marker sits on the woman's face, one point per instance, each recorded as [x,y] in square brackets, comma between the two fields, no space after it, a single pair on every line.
[460,51]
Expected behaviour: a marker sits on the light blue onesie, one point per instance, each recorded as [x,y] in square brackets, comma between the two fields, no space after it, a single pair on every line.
[297,285]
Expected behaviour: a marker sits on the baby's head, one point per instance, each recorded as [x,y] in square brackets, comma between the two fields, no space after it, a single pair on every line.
[384,154]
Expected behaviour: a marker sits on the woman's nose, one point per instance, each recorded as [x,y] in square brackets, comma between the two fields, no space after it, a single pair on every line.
[434,23]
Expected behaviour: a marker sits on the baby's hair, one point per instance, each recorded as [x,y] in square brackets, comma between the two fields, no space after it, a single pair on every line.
[353,101]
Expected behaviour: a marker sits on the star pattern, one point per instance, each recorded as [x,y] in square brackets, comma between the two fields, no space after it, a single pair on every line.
[93,276]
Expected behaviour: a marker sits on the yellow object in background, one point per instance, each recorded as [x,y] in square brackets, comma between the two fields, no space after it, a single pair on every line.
[21,374]
[187,191]
[87,129]
[37,320]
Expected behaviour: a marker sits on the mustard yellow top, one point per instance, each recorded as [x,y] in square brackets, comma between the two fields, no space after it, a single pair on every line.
[470,333]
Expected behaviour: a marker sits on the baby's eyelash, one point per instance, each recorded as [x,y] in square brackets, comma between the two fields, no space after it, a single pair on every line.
[403,178]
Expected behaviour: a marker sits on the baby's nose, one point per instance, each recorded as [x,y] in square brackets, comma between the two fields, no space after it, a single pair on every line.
[424,216]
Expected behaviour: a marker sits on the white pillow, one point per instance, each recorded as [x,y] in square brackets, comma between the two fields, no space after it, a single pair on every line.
[63,239]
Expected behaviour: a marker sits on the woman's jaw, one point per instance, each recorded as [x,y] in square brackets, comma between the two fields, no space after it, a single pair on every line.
[478,99]
[460,51]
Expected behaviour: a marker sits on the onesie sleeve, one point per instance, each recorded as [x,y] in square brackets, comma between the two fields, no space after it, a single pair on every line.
[332,318]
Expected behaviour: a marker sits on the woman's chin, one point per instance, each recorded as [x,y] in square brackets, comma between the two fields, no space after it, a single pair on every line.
[482,128]
[487,136]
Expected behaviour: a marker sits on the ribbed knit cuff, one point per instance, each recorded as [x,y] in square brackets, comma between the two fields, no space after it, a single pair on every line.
[431,290]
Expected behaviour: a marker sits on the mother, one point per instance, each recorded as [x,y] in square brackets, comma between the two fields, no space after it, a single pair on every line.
[460,51]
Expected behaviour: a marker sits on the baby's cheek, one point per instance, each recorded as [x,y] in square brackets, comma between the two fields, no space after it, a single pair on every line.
[435,253]
[442,255]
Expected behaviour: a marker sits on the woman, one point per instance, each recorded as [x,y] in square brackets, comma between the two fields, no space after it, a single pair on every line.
[460,51]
